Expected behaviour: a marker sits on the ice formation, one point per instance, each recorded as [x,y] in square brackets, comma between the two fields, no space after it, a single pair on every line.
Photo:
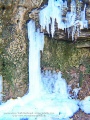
[48,97]
[54,12]
[36,43]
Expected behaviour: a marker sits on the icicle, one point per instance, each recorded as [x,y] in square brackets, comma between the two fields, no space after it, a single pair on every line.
[83,20]
[55,10]
[52,27]
[73,6]
[58,3]
[68,30]
[65,4]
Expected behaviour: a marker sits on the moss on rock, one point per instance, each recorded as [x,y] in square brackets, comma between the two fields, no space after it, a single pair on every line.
[13,54]
[63,55]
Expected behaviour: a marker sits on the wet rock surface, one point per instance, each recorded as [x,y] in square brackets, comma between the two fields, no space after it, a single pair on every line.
[81,116]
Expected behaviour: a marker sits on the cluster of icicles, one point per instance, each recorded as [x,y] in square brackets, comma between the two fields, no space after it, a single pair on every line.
[54,12]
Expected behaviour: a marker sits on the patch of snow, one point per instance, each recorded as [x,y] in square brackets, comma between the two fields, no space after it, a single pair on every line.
[85,105]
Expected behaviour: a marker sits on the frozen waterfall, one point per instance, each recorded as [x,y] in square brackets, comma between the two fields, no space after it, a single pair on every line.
[36,43]
[48,97]
[54,12]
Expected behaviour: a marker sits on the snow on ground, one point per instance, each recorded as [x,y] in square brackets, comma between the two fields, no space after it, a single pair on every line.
[85,105]
[50,106]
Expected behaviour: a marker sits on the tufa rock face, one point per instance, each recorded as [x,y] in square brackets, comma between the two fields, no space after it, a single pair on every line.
[64,55]
[14,45]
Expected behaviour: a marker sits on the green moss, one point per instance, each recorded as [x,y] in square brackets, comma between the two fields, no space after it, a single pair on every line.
[63,55]
[13,58]
[8,68]
[86,63]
